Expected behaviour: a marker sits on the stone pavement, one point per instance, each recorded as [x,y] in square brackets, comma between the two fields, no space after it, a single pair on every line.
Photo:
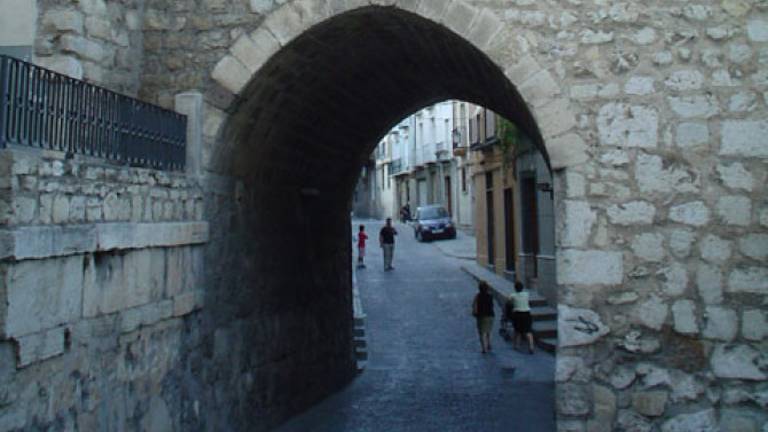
[425,371]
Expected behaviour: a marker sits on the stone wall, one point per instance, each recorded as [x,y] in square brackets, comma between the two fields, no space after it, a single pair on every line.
[653,116]
[100,268]
[99,41]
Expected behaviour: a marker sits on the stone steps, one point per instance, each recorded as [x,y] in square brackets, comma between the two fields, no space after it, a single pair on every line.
[543,315]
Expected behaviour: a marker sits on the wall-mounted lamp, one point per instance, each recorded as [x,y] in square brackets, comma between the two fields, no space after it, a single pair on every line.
[546,187]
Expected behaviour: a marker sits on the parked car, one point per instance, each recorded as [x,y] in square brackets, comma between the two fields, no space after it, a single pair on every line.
[432,222]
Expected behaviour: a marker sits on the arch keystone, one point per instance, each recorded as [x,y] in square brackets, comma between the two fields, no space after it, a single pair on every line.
[231,74]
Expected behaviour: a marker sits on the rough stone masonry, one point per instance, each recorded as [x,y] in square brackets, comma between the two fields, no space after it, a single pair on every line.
[653,116]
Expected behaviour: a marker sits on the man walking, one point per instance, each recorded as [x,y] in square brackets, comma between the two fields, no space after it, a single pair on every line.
[387,243]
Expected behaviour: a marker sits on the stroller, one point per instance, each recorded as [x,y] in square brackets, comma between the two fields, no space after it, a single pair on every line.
[506,329]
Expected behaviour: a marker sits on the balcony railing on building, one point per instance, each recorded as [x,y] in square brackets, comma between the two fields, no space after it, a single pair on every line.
[442,152]
[41,108]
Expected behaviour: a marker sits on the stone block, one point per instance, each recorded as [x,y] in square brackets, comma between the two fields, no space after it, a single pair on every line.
[42,294]
[721,323]
[694,213]
[84,48]
[734,210]
[188,302]
[652,313]
[566,151]
[290,20]
[255,50]
[701,421]
[650,403]
[652,176]
[521,71]
[738,362]
[692,135]
[485,27]
[578,326]
[231,74]
[649,247]
[624,125]
[709,281]
[744,138]
[132,319]
[754,246]
[684,317]
[60,209]
[539,89]
[576,223]
[680,242]
[694,106]
[261,6]
[458,17]
[757,30]
[433,9]
[674,278]
[629,420]
[632,213]
[40,346]
[714,249]
[748,280]
[555,118]
[735,176]
[590,267]
[63,64]
[754,324]
[639,85]
[115,282]
[63,20]
[684,80]
[573,399]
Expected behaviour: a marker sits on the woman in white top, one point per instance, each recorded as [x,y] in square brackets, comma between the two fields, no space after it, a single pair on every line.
[521,317]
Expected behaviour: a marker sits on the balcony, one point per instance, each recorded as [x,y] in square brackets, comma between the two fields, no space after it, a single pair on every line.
[442,153]
[398,168]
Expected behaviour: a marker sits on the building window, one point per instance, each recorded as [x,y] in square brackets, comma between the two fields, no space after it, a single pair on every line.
[464,179]
[489,217]
[490,124]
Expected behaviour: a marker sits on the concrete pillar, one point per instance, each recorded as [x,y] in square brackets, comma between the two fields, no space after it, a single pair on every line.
[191,105]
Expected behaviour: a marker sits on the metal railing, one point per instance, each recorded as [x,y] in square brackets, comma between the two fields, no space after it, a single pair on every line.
[44,109]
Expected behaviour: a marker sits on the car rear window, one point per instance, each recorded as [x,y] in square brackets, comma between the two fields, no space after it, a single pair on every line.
[433,213]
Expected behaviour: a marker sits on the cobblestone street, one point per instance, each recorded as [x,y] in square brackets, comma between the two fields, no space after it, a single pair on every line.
[425,370]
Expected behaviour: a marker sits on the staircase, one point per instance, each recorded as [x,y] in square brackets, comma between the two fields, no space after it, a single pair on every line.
[544,316]
[359,340]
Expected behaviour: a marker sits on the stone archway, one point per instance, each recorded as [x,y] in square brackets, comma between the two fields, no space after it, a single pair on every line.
[313,89]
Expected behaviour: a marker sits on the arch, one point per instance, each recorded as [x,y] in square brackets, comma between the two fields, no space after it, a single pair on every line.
[313,89]
[480,27]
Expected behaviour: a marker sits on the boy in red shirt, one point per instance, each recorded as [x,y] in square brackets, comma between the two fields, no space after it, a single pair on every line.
[361,238]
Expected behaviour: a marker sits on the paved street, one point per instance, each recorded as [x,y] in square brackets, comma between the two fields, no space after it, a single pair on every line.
[425,370]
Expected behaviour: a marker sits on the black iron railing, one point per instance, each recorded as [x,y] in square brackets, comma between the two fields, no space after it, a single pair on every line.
[44,109]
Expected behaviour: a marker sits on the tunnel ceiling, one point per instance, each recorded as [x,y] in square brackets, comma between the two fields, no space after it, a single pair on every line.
[316,110]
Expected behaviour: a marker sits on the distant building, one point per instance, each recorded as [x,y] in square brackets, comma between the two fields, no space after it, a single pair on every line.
[422,160]
[514,222]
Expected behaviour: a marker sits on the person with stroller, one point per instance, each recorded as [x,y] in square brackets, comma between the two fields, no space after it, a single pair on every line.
[521,316]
